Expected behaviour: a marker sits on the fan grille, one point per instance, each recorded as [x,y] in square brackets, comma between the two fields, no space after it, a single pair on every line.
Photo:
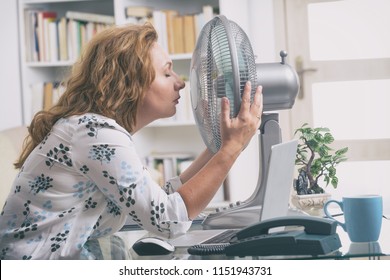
[222,62]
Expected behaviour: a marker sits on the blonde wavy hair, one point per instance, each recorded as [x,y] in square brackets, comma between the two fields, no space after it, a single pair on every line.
[110,78]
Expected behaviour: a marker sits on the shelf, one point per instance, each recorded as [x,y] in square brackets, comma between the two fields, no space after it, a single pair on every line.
[176,57]
[50,64]
[162,123]
[183,56]
[26,2]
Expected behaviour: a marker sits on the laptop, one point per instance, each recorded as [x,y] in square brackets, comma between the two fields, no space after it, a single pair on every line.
[279,180]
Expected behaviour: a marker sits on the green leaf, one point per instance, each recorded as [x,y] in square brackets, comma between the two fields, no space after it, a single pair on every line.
[332,171]
[312,143]
[323,151]
[328,138]
[318,137]
[326,180]
[335,182]
[326,159]
[321,129]
[342,151]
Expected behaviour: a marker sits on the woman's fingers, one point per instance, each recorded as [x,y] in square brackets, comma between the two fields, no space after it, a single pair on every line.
[225,110]
[247,110]
[257,105]
[245,100]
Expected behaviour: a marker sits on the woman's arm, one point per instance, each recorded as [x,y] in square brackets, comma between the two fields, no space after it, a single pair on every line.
[194,168]
[197,190]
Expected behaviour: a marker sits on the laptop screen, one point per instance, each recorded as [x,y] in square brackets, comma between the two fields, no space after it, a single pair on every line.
[279,180]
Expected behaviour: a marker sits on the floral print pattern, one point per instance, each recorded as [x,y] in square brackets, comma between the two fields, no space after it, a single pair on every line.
[82,182]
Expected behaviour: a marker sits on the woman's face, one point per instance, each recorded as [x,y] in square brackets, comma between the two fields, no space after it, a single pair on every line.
[163,95]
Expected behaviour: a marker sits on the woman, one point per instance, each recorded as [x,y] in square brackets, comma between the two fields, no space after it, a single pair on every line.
[80,176]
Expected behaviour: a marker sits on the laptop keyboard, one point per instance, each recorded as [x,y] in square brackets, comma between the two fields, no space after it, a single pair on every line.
[223,237]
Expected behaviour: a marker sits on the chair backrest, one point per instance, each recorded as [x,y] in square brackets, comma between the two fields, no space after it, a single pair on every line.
[11,141]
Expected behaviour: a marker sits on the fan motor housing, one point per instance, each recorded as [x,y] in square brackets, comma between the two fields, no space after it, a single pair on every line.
[280,85]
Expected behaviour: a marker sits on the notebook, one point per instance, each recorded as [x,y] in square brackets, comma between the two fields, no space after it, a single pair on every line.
[279,180]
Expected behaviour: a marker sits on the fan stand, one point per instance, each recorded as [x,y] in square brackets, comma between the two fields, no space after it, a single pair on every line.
[241,214]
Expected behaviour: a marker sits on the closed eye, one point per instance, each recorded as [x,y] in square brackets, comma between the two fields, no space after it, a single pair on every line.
[168,69]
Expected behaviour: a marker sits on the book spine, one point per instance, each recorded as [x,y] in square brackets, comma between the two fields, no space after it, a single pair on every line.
[63,39]
[189,33]
[44,95]
[44,17]
[170,14]
[178,34]
[53,41]
[138,11]
[48,96]
[90,17]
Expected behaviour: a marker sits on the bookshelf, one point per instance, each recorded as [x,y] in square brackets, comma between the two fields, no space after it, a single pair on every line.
[37,18]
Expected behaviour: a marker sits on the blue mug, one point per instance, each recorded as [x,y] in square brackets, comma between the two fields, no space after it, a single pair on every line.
[362,216]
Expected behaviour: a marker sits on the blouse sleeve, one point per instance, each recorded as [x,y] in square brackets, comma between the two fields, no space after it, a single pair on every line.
[172,185]
[106,154]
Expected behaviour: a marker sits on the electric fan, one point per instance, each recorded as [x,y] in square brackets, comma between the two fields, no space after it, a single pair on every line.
[222,62]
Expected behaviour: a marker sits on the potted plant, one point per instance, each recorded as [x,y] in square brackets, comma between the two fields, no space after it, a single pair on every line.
[316,160]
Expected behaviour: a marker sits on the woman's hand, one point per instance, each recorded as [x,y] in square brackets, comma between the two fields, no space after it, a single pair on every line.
[237,132]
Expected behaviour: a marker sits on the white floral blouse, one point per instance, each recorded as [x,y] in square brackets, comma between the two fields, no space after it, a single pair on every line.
[81,183]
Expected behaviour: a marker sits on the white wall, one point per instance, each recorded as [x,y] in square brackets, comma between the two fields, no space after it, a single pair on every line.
[10,92]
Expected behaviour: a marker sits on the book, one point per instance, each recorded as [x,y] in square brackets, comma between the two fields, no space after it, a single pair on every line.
[53,41]
[47,95]
[70,39]
[81,16]
[36,97]
[62,39]
[29,29]
[199,23]
[35,55]
[42,33]
[208,13]
[58,90]
[170,14]
[44,95]
[159,23]
[82,34]
[138,20]
[73,39]
[138,11]
[178,34]
[189,33]
[168,165]
[46,30]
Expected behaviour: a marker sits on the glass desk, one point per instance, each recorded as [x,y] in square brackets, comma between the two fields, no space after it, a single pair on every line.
[119,246]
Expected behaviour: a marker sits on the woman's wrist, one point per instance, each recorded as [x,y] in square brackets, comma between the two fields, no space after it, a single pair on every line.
[229,153]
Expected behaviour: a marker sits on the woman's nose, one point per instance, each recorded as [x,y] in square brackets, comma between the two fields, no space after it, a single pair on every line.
[180,84]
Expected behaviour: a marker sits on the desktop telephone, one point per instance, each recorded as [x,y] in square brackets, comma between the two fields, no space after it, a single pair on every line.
[318,237]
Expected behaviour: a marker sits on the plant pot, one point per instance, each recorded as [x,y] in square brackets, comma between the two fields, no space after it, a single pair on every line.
[312,204]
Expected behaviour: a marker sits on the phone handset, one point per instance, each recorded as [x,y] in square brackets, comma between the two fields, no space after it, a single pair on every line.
[312,225]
